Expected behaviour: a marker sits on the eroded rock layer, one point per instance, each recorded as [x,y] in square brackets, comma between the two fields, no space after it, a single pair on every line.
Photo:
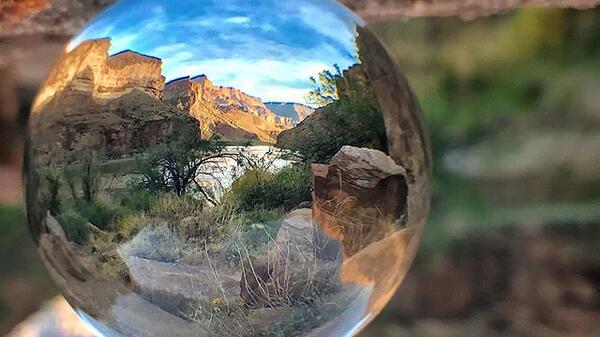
[113,76]
[224,110]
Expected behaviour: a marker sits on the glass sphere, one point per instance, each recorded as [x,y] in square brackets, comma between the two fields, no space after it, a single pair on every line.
[231,168]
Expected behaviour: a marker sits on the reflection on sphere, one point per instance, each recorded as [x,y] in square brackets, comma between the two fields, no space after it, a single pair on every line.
[226,170]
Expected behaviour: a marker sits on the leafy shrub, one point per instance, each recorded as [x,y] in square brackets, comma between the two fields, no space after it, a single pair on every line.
[99,214]
[139,200]
[51,198]
[353,117]
[261,189]
[173,167]
[75,226]
[261,227]
[115,268]
[130,224]
[173,209]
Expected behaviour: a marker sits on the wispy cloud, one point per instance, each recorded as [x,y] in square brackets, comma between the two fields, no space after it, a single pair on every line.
[268,48]
[240,20]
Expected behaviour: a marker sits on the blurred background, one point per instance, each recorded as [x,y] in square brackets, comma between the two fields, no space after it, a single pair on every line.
[512,106]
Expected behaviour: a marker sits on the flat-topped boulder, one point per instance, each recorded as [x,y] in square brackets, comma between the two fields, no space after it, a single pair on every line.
[359,197]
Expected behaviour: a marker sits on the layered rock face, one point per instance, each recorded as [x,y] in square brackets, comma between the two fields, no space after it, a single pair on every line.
[113,76]
[225,111]
[105,105]
[296,112]
[74,123]
[359,198]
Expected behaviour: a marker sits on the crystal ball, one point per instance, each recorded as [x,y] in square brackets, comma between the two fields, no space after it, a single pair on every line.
[231,168]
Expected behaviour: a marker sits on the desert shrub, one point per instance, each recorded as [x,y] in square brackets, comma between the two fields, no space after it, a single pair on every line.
[173,208]
[261,227]
[99,214]
[294,185]
[74,226]
[101,242]
[352,117]
[261,189]
[128,225]
[83,180]
[139,200]
[249,234]
[173,167]
[156,242]
[114,268]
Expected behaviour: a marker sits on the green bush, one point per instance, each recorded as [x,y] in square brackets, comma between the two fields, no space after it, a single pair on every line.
[353,118]
[157,243]
[51,198]
[260,189]
[99,214]
[173,209]
[260,227]
[140,200]
[75,226]
[130,224]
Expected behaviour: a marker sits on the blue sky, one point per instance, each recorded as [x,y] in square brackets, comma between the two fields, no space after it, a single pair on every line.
[267,48]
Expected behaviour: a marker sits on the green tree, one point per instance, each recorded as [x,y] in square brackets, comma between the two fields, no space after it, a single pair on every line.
[353,118]
[325,90]
[175,166]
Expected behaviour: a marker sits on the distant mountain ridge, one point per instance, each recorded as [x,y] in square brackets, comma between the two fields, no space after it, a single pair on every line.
[295,111]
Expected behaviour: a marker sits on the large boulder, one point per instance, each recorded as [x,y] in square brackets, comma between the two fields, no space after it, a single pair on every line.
[359,198]
[181,288]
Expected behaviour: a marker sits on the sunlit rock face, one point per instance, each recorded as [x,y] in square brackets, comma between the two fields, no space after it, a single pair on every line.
[89,67]
[238,169]
[227,112]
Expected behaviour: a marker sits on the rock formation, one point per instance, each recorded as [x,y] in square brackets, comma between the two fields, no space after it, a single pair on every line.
[359,198]
[113,76]
[106,105]
[224,110]
[74,123]
[295,111]
[180,288]
[289,138]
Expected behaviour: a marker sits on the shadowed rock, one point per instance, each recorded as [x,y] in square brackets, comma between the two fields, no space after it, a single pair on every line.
[359,198]
[180,288]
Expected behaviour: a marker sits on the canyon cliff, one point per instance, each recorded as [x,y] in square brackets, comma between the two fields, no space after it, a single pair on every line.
[107,105]
[119,105]
[226,111]
[113,76]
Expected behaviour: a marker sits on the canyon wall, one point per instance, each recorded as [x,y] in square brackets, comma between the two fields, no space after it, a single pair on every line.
[113,76]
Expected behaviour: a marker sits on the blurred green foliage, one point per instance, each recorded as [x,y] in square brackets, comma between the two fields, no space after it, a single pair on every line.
[474,78]
[495,82]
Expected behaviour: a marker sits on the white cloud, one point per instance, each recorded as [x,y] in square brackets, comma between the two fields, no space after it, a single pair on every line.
[240,20]
[271,80]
